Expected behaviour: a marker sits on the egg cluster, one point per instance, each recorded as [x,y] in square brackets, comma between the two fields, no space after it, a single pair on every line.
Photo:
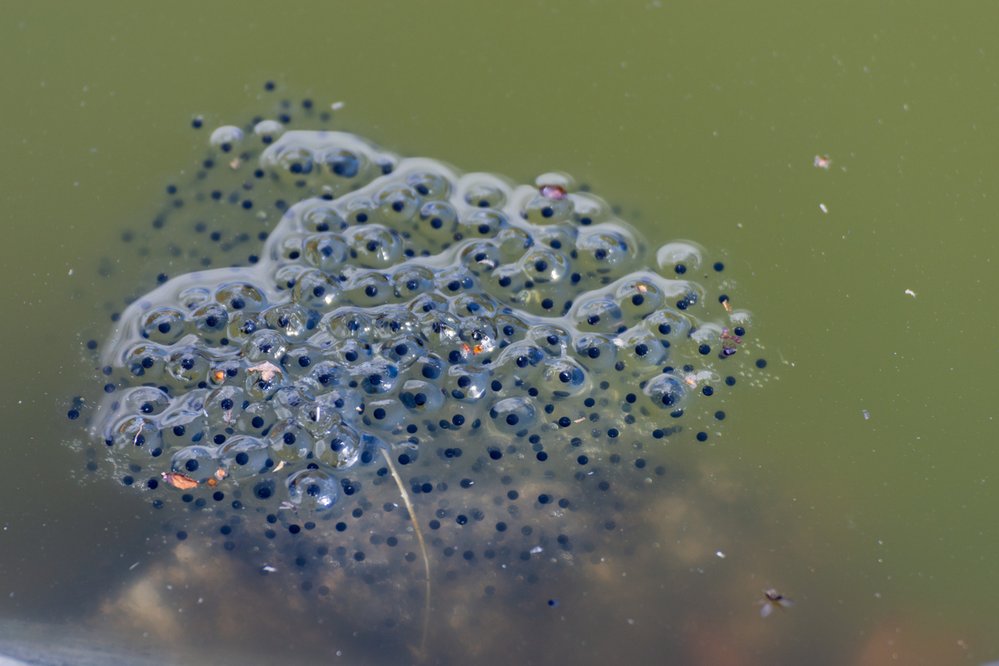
[504,347]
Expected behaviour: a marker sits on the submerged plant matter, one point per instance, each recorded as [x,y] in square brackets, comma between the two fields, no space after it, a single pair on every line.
[420,373]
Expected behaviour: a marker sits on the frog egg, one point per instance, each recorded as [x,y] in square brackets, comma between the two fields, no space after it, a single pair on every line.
[597,313]
[320,415]
[186,366]
[192,297]
[312,489]
[244,457]
[480,257]
[589,209]
[678,257]
[210,318]
[373,246]
[133,432]
[411,280]
[265,345]
[551,209]
[429,184]
[368,289]
[506,283]
[145,400]
[564,378]
[286,248]
[473,304]
[476,331]
[326,251]
[185,411]
[256,418]
[421,396]
[343,448]
[482,190]
[454,280]
[438,221]
[226,137]
[268,130]
[638,297]
[376,377]
[466,384]
[510,327]
[348,323]
[181,429]
[513,242]
[342,163]
[261,385]
[145,360]
[241,296]
[195,462]
[483,223]
[519,361]
[641,349]
[290,319]
[666,391]
[396,203]
[542,265]
[554,340]
[297,363]
[595,352]
[427,308]
[513,415]
[289,441]
[224,406]
[163,325]
[668,325]
[603,247]
[402,350]
[315,289]
[387,414]
[318,216]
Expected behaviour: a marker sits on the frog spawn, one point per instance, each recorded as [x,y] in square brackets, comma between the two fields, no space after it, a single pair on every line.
[506,350]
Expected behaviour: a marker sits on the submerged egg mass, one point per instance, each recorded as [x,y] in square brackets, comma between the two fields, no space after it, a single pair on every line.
[512,354]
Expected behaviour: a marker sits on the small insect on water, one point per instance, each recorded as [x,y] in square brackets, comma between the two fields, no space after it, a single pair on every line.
[773,599]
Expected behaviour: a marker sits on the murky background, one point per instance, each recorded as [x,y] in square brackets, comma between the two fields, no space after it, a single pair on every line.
[858,482]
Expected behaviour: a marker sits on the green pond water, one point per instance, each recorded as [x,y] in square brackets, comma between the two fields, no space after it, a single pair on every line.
[858,479]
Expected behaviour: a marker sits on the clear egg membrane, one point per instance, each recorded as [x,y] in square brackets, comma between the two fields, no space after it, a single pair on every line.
[514,354]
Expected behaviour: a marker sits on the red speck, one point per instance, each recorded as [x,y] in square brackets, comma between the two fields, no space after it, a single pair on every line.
[554,192]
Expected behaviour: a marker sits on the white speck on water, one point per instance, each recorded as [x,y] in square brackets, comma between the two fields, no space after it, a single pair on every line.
[823,208]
